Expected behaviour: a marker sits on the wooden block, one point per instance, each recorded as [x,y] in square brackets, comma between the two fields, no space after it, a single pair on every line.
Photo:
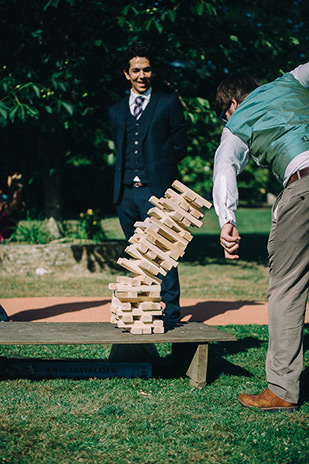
[141,312]
[127,318]
[168,245]
[147,305]
[196,213]
[136,330]
[184,214]
[131,266]
[118,304]
[154,294]
[158,330]
[133,281]
[184,221]
[138,288]
[166,219]
[158,243]
[146,318]
[147,330]
[168,233]
[126,297]
[198,200]
[158,323]
[172,195]
[142,259]
[162,254]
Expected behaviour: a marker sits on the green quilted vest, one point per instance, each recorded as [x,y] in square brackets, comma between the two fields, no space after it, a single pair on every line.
[273,121]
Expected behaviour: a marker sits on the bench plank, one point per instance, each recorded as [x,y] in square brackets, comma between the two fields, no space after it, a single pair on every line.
[75,333]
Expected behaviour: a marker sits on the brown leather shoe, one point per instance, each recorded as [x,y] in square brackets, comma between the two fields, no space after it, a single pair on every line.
[266,401]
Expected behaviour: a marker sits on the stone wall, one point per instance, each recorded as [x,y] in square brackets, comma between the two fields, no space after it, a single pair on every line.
[64,257]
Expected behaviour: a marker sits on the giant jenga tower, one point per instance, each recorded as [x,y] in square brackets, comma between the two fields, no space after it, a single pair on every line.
[155,248]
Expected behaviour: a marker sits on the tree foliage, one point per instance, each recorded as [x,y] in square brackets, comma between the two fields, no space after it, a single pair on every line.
[62,68]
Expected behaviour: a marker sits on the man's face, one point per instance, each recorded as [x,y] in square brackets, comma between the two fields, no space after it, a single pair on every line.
[140,74]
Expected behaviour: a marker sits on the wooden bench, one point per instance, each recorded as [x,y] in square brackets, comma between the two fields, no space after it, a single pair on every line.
[189,340]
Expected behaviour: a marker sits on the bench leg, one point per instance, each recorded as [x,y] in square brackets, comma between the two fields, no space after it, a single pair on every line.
[192,359]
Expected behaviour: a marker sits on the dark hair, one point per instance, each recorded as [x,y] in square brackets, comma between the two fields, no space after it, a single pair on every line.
[136,49]
[238,87]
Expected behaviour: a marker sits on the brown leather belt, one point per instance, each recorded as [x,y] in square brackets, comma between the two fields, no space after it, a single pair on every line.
[298,175]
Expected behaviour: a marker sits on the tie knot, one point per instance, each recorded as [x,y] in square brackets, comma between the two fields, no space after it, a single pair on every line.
[139,100]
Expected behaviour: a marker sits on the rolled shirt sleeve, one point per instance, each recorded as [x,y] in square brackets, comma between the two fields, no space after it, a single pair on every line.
[301,73]
[231,158]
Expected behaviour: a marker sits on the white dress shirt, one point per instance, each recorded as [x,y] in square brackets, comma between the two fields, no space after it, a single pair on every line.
[146,95]
[233,152]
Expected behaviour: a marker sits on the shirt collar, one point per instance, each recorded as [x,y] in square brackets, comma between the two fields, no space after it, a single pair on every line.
[133,95]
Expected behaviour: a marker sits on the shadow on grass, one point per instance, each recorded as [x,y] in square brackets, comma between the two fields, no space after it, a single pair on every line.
[253,247]
[217,364]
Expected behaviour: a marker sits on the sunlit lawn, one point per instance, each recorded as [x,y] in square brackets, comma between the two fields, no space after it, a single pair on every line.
[204,273]
[162,419]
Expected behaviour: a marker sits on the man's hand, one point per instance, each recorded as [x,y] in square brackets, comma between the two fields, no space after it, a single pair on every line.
[229,239]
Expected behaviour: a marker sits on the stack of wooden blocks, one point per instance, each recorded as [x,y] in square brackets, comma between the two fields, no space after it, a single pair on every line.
[157,244]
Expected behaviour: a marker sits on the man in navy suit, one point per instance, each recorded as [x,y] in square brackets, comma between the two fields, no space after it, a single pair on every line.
[149,132]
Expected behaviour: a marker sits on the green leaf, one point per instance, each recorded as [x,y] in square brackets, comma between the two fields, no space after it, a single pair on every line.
[3,113]
[294,40]
[68,107]
[13,113]
[37,90]
[200,8]
[53,3]
[158,26]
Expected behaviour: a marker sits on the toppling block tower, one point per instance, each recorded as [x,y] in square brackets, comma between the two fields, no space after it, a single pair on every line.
[157,244]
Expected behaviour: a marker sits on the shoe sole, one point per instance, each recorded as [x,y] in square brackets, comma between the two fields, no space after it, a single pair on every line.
[271,409]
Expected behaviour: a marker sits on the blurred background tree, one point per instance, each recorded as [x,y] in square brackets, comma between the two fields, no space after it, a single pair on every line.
[61,68]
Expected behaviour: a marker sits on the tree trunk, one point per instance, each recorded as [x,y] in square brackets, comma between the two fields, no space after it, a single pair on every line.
[50,173]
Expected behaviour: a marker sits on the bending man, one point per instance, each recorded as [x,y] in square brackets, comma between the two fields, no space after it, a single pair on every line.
[271,123]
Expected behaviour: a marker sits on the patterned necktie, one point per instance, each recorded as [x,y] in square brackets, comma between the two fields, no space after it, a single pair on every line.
[138,108]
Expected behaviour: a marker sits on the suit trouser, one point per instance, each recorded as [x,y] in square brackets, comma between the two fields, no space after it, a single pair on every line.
[288,249]
[133,207]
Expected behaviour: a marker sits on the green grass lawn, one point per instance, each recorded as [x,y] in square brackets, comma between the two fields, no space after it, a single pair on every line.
[157,420]
[162,419]
[204,273]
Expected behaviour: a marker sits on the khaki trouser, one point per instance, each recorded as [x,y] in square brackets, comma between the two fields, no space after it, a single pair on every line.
[288,249]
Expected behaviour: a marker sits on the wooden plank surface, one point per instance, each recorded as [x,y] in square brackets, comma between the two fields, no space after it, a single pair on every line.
[75,333]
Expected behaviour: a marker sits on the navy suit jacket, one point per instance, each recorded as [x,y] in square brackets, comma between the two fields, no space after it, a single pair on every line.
[164,143]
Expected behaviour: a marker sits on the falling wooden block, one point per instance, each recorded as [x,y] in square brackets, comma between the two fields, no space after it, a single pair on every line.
[188,193]
[162,254]
[155,247]
[143,260]
[166,219]
[146,277]
[180,214]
